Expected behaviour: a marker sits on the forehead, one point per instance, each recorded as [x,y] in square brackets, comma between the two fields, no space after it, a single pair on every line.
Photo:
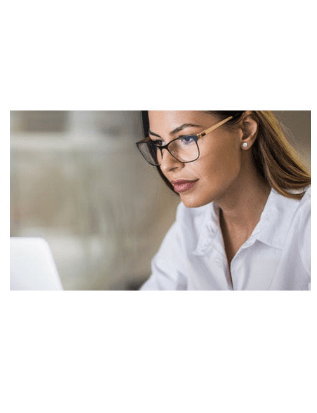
[166,121]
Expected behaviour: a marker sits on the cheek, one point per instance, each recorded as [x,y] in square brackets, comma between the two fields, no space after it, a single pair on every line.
[222,160]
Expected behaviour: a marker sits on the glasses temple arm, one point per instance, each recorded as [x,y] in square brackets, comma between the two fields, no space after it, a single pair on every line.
[214,127]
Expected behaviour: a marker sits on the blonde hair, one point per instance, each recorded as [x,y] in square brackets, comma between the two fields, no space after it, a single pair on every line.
[276,160]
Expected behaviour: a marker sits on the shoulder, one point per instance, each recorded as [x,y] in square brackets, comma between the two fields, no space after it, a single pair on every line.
[304,229]
[307,197]
[291,210]
[170,264]
[304,210]
[298,212]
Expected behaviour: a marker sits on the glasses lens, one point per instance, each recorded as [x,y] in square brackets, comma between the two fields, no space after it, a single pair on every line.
[149,152]
[185,148]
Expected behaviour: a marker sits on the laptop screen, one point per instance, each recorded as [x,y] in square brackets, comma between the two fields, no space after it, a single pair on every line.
[32,266]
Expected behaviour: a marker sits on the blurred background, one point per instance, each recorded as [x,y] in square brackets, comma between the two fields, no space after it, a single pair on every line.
[78,181]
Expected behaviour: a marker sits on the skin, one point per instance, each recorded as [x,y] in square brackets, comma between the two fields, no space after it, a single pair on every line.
[225,170]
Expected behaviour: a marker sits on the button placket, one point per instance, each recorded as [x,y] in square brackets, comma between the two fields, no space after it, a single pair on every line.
[234,270]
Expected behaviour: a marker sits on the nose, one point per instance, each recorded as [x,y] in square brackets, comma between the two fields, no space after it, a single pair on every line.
[168,162]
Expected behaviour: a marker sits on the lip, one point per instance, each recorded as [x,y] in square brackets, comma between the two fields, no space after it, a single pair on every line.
[183,185]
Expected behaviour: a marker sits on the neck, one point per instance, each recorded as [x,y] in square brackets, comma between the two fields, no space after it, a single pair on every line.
[243,203]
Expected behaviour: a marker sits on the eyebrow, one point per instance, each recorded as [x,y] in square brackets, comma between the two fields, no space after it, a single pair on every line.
[178,129]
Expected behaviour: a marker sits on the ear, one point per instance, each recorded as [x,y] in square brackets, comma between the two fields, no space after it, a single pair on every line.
[249,127]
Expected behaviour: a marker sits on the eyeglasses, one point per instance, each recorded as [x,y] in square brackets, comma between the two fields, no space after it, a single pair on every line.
[184,149]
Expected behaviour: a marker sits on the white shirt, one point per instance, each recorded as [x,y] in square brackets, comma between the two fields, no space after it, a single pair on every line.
[277,255]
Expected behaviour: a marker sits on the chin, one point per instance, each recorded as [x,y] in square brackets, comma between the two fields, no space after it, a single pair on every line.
[198,200]
[194,202]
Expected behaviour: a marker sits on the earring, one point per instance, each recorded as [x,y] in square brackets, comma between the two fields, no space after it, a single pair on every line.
[244,144]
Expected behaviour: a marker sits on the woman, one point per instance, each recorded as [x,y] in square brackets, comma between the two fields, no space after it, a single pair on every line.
[244,219]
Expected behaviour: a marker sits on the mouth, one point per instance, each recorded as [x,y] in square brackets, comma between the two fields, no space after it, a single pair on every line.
[182,185]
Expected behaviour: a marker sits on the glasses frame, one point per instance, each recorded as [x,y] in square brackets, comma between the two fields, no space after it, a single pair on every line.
[195,136]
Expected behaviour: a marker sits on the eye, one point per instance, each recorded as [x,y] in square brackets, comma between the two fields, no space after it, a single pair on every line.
[187,140]
[157,142]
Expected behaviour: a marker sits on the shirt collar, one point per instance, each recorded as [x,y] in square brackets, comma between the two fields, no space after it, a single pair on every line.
[275,220]
[210,230]
[271,229]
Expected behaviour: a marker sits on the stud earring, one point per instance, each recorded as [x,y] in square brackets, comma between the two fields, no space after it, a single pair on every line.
[244,144]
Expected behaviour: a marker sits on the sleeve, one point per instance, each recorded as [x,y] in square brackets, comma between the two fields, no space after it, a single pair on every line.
[304,239]
[166,265]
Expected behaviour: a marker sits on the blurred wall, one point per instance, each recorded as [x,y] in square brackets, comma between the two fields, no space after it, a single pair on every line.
[297,127]
[78,181]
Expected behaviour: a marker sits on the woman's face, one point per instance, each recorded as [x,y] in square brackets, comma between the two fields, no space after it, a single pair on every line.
[218,166]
